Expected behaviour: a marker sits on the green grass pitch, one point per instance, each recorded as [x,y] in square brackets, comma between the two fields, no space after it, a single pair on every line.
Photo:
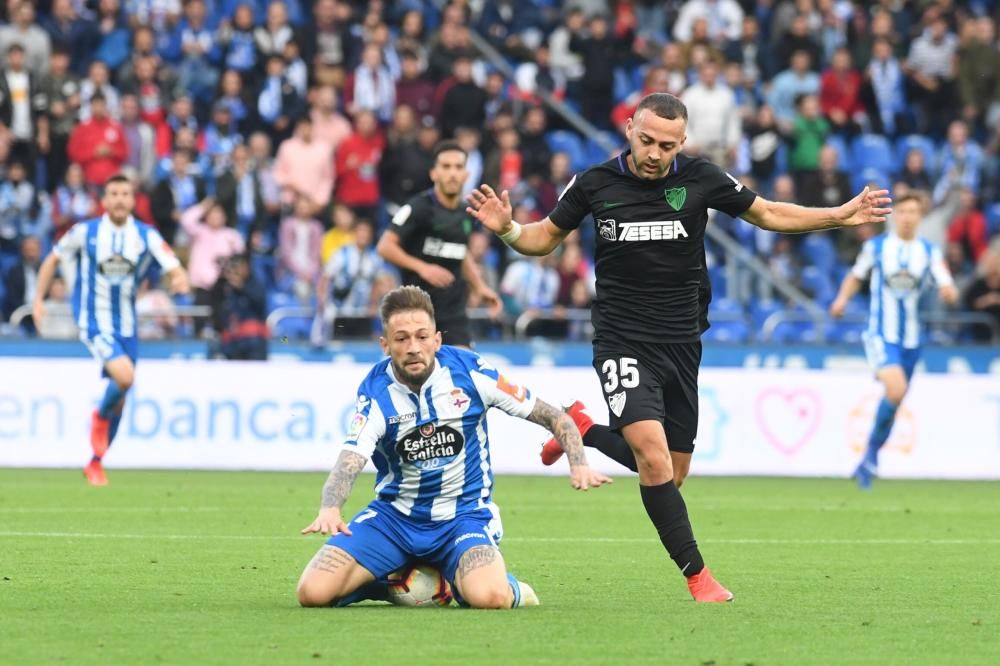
[200,568]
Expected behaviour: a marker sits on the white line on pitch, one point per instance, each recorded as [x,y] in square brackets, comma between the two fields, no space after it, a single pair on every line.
[271,537]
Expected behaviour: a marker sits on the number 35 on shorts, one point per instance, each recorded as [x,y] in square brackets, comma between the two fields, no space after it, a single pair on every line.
[621,372]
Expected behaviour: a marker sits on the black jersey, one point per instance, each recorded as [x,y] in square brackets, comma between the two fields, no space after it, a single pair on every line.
[438,235]
[650,256]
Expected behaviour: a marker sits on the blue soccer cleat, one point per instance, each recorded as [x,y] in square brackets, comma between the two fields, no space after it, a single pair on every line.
[865,474]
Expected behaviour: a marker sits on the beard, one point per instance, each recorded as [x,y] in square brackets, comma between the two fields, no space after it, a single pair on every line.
[414,379]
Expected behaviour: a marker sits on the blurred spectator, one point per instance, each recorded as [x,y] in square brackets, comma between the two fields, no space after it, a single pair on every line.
[345,285]
[329,124]
[73,201]
[413,89]
[113,47]
[22,109]
[276,31]
[572,268]
[18,207]
[534,147]
[341,232]
[196,74]
[175,194]
[724,19]
[503,166]
[140,138]
[558,177]
[961,162]
[154,98]
[798,38]
[469,139]
[461,101]
[968,227]
[840,94]
[827,186]
[748,51]
[238,191]
[373,88]
[263,166]
[278,103]
[330,42]
[979,74]
[484,257]
[600,52]
[914,172]
[299,241]
[68,32]
[808,135]
[404,168]
[930,70]
[20,279]
[358,160]
[765,141]
[236,42]
[304,166]
[98,81]
[233,94]
[789,85]
[657,79]
[62,90]
[239,311]
[212,242]
[143,203]
[883,91]
[23,31]
[562,58]
[713,119]
[530,285]
[983,296]
[218,138]
[59,323]
[157,314]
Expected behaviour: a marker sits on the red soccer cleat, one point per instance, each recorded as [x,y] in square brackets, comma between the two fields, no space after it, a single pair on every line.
[705,589]
[95,473]
[551,451]
[99,432]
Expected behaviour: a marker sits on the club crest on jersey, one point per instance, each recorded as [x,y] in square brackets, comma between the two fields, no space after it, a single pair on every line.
[606,229]
[617,403]
[459,400]
[429,444]
[676,197]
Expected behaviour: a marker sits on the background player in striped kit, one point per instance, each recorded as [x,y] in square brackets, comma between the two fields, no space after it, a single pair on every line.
[110,255]
[421,418]
[902,267]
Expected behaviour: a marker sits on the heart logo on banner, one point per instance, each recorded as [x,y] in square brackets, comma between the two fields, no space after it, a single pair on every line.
[788,418]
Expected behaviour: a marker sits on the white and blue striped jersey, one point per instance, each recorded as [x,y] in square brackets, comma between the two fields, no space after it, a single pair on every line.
[900,272]
[431,450]
[110,262]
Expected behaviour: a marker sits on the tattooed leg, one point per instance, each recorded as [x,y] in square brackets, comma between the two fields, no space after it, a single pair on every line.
[481,578]
[332,575]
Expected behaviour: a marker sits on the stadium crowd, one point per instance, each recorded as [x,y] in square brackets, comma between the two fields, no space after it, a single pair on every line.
[270,142]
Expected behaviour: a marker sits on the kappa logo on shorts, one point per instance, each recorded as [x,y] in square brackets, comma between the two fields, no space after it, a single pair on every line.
[617,403]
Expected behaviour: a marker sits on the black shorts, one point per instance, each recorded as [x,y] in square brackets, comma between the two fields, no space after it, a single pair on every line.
[645,381]
[455,331]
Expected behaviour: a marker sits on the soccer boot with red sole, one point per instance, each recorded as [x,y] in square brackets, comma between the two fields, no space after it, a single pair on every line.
[94,472]
[551,451]
[100,429]
[705,589]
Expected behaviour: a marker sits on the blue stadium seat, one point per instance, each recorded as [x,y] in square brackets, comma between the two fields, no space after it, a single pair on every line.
[595,153]
[622,84]
[992,213]
[922,143]
[873,151]
[760,310]
[564,141]
[871,175]
[846,332]
[278,299]
[728,331]
[845,162]
[294,328]
[728,306]
[818,250]
[818,283]
[717,278]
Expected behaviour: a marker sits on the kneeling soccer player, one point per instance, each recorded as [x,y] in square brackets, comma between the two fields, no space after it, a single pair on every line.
[421,417]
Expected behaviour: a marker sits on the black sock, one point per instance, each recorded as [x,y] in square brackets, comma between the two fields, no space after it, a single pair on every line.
[668,514]
[611,444]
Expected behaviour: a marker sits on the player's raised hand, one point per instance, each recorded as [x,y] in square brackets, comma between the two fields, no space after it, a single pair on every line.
[329,521]
[871,206]
[493,212]
[582,477]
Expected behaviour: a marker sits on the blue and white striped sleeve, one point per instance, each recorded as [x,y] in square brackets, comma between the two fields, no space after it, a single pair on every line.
[865,262]
[367,427]
[161,251]
[498,391]
[72,241]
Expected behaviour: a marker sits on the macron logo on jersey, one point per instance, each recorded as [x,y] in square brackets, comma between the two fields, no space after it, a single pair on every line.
[641,231]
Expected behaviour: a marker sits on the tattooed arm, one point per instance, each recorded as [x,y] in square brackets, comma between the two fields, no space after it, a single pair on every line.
[561,425]
[335,493]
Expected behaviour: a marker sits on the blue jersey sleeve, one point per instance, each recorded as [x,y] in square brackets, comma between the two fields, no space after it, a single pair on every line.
[367,426]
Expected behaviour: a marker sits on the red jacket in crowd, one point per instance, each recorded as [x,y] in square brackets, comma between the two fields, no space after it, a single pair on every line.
[840,91]
[357,170]
[100,147]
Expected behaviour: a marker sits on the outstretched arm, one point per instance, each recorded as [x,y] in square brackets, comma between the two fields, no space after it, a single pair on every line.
[848,288]
[561,425]
[496,214]
[870,206]
[336,490]
[46,272]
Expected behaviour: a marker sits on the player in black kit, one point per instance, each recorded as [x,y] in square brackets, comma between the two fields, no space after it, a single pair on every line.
[428,241]
[650,207]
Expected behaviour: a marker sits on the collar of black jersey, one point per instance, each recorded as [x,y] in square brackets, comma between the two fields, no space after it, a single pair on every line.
[623,157]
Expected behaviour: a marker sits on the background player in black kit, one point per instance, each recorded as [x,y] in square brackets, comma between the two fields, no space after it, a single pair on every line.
[428,241]
[650,207]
